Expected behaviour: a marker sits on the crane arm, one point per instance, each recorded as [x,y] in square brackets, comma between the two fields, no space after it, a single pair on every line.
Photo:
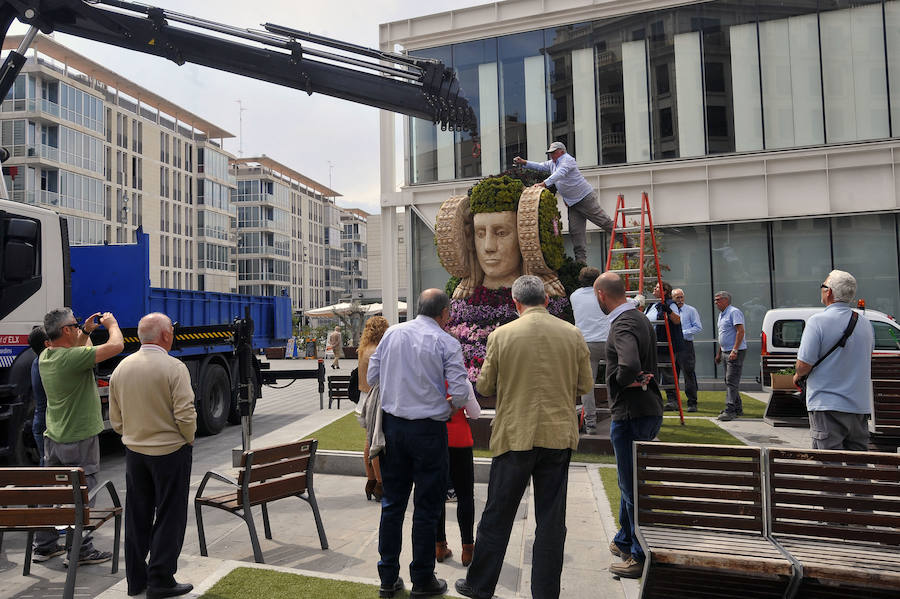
[418,87]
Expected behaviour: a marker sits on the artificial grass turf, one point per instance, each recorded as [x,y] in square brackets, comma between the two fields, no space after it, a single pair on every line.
[610,479]
[253,583]
[695,430]
[711,403]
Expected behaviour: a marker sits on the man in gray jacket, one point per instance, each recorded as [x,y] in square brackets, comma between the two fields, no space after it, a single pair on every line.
[635,403]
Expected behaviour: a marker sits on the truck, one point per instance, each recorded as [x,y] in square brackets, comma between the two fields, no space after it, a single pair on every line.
[38,270]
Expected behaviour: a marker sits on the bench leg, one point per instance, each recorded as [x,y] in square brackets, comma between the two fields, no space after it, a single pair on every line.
[200,534]
[266,528]
[117,539]
[323,541]
[74,554]
[29,547]
[254,539]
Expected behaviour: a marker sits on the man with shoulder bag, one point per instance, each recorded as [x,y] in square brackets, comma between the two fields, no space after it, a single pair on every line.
[835,363]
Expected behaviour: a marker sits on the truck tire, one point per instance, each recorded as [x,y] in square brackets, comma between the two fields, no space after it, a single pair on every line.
[213,401]
[25,451]
[234,414]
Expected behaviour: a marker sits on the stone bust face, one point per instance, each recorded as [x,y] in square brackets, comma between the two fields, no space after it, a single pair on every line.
[497,248]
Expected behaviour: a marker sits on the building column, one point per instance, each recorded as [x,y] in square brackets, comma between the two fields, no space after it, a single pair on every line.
[389,246]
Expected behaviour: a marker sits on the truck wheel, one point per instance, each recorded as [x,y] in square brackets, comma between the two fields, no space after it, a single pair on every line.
[234,414]
[25,451]
[214,400]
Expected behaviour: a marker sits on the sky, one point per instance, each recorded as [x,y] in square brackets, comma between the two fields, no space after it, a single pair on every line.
[303,132]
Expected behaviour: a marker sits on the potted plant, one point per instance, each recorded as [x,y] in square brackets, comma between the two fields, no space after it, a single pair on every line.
[784,379]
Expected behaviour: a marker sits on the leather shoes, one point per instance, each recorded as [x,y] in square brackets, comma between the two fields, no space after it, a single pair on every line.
[465,589]
[178,589]
[434,587]
[388,591]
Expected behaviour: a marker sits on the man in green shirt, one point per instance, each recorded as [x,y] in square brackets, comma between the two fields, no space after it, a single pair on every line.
[73,408]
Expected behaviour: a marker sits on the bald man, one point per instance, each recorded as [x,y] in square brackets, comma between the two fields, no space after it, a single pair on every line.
[151,404]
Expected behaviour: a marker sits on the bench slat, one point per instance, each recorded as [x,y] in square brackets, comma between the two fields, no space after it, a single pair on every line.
[827,516]
[707,507]
[821,455]
[698,491]
[32,477]
[738,479]
[277,489]
[836,501]
[278,452]
[40,495]
[839,533]
[732,523]
[694,463]
[275,469]
[834,486]
[39,516]
[703,450]
[734,563]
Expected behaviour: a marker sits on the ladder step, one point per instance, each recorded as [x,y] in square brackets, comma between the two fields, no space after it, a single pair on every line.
[625,271]
[664,365]
[662,344]
[631,250]
[630,211]
[632,293]
[657,322]
[628,230]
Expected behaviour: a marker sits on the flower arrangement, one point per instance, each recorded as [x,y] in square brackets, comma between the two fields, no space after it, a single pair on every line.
[474,318]
[495,194]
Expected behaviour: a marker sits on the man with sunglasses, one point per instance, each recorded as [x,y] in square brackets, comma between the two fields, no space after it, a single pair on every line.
[74,419]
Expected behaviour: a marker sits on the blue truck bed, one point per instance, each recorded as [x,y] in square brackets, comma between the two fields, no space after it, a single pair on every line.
[116,278]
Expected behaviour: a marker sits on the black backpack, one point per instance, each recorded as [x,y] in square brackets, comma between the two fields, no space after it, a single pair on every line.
[354,385]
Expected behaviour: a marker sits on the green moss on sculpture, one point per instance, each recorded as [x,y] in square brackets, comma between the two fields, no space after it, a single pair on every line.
[550,229]
[495,194]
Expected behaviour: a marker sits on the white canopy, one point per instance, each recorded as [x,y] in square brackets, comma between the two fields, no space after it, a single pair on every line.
[373,309]
[341,309]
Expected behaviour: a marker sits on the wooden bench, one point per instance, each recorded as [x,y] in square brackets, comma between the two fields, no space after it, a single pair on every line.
[338,389]
[265,475]
[838,514]
[33,499]
[886,404]
[700,518]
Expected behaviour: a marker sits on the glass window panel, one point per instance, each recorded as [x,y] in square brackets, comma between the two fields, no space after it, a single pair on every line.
[685,251]
[740,258]
[573,96]
[866,247]
[688,71]
[608,38]
[892,27]
[663,85]
[427,271]
[424,134]
[637,103]
[802,259]
[468,60]
[517,73]
[853,71]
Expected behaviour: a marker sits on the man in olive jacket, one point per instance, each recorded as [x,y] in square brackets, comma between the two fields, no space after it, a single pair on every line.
[536,366]
[635,403]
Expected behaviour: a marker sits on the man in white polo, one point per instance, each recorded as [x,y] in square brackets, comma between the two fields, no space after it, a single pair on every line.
[576,192]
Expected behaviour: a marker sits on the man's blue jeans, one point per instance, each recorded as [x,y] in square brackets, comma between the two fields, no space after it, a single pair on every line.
[415,452]
[623,434]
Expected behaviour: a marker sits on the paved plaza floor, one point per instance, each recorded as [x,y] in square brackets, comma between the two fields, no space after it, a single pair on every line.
[351,522]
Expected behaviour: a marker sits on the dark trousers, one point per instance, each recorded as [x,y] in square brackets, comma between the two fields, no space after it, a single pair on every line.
[665,375]
[687,361]
[462,474]
[549,471]
[155,516]
[623,434]
[415,453]
[733,369]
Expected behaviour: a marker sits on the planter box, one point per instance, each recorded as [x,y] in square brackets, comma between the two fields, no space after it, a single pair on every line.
[783,382]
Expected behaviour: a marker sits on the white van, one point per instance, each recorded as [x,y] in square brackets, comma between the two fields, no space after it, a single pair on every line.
[783,327]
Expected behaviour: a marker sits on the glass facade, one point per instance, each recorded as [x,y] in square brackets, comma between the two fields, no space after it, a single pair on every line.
[762,264]
[727,76]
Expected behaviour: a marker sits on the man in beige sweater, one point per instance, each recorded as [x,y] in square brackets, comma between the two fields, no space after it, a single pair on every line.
[536,365]
[151,404]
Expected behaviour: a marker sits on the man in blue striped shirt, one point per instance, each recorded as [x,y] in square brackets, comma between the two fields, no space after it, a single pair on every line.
[417,365]
[576,192]
[690,326]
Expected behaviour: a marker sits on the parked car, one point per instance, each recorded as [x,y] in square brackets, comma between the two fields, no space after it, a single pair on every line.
[783,327]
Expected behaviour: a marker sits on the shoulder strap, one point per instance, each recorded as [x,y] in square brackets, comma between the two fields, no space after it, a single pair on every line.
[854,316]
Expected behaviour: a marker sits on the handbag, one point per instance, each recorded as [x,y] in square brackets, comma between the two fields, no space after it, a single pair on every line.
[854,316]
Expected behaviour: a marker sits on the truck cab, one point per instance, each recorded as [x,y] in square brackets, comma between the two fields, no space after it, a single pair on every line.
[783,327]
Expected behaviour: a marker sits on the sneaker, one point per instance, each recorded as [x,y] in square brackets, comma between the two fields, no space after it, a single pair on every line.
[93,557]
[614,549]
[590,430]
[42,555]
[727,416]
[627,569]
[451,495]
[670,407]
[692,408]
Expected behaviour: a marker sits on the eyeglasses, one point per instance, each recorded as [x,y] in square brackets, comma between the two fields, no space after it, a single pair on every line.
[824,286]
[76,325]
